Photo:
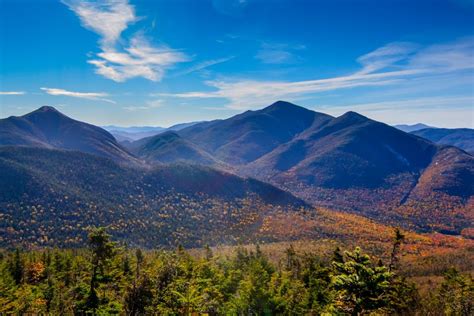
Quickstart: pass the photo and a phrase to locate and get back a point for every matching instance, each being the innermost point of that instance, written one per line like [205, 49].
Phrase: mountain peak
[282, 104]
[47, 108]
[285, 110]
[247, 136]
[45, 112]
[47, 127]
[352, 117]
[353, 114]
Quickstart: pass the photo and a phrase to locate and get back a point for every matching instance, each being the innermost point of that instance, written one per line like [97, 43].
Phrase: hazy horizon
[60, 109]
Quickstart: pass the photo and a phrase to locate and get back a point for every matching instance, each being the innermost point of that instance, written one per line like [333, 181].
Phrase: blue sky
[130, 62]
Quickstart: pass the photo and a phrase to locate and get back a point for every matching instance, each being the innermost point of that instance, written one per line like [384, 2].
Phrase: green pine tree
[362, 287]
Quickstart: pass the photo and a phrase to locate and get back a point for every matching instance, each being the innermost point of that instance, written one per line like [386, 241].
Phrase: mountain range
[60, 175]
[349, 163]
[367, 167]
[130, 134]
[459, 137]
[412, 127]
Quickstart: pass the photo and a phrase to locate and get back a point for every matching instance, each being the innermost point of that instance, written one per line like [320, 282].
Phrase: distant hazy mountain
[459, 137]
[130, 137]
[134, 133]
[180, 126]
[133, 129]
[54, 195]
[410, 128]
[247, 136]
[48, 128]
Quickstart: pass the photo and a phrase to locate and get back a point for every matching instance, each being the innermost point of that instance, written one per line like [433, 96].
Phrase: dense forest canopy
[108, 279]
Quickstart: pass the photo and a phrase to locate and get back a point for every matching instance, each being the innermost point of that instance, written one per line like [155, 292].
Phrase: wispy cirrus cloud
[12, 92]
[388, 55]
[230, 7]
[122, 59]
[388, 65]
[411, 103]
[270, 53]
[247, 94]
[152, 104]
[98, 96]
[203, 65]
[414, 110]
[446, 57]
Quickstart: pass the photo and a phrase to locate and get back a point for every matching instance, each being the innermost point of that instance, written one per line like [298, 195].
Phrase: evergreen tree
[209, 253]
[397, 242]
[456, 294]
[140, 258]
[337, 256]
[317, 279]
[289, 295]
[361, 286]
[102, 250]
[138, 297]
[17, 267]
[292, 263]
[252, 296]
[126, 265]
[403, 297]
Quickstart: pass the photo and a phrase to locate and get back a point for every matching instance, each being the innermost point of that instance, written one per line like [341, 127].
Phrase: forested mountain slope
[49, 197]
[367, 167]
[169, 147]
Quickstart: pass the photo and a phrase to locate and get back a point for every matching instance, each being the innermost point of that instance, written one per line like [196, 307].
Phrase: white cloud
[391, 64]
[12, 92]
[413, 103]
[99, 96]
[204, 65]
[446, 57]
[429, 110]
[388, 55]
[152, 104]
[247, 94]
[140, 59]
[155, 104]
[271, 53]
[108, 18]
[274, 56]
[122, 59]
